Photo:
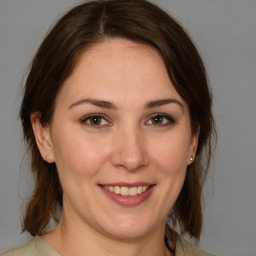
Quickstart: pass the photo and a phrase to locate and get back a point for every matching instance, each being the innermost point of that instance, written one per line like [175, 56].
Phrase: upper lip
[129, 185]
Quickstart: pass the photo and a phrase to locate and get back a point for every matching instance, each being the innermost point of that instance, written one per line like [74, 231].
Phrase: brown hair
[90, 23]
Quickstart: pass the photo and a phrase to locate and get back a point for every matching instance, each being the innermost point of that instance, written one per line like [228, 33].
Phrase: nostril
[129, 151]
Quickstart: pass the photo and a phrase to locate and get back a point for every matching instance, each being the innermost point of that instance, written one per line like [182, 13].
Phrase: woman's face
[119, 126]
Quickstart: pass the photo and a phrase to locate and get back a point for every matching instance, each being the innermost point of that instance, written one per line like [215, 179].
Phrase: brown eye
[95, 120]
[157, 120]
[160, 120]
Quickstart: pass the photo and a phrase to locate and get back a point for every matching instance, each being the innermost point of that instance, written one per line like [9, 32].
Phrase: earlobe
[43, 138]
[193, 146]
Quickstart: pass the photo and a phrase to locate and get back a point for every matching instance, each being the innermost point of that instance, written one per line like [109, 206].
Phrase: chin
[130, 229]
[128, 234]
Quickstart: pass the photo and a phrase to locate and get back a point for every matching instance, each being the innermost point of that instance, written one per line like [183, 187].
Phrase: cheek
[170, 161]
[76, 154]
[171, 153]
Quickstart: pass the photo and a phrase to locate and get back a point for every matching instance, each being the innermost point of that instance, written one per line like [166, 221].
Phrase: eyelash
[85, 119]
[168, 120]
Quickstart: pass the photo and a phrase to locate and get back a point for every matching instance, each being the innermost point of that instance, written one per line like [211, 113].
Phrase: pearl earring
[191, 158]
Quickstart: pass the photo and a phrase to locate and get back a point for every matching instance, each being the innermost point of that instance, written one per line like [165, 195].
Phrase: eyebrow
[109, 105]
[158, 103]
[95, 102]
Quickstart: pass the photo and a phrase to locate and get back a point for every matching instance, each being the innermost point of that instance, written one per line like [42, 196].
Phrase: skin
[128, 144]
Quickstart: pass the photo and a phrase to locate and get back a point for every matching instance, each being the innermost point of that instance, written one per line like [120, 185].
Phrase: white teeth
[125, 191]
[140, 190]
[117, 190]
[144, 188]
[133, 191]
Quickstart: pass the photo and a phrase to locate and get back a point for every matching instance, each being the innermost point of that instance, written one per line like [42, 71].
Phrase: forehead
[119, 68]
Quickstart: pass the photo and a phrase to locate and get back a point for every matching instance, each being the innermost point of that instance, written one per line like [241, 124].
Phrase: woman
[117, 116]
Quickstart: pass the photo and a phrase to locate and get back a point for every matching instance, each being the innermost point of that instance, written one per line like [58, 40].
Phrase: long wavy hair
[83, 26]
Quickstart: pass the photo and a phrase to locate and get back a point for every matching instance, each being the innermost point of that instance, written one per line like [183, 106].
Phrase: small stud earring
[191, 158]
[47, 158]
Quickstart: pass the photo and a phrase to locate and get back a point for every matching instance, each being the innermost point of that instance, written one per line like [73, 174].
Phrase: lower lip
[129, 201]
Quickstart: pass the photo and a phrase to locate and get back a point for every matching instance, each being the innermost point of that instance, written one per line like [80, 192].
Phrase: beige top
[38, 247]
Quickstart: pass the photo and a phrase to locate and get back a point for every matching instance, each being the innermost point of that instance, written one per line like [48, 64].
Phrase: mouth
[128, 195]
[127, 191]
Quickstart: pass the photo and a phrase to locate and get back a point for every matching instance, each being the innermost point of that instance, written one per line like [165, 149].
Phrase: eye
[160, 120]
[95, 120]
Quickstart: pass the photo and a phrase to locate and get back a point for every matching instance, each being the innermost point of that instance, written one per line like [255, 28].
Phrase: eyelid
[87, 117]
[84, 119]
[170, 119]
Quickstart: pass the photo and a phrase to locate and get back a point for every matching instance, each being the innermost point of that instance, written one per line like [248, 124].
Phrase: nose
[129, 151]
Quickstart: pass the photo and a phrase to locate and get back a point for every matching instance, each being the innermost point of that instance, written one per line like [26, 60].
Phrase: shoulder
[28, 249]
[35, 246]
[181, 246]
[185, 248]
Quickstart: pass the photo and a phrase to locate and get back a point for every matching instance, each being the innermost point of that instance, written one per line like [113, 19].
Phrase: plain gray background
[225, 33]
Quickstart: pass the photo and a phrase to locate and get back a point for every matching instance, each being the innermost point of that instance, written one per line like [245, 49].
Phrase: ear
[43, 138]
[193, 146]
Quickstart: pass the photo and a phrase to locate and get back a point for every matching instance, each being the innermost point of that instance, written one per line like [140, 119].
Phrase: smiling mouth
[127, 191]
